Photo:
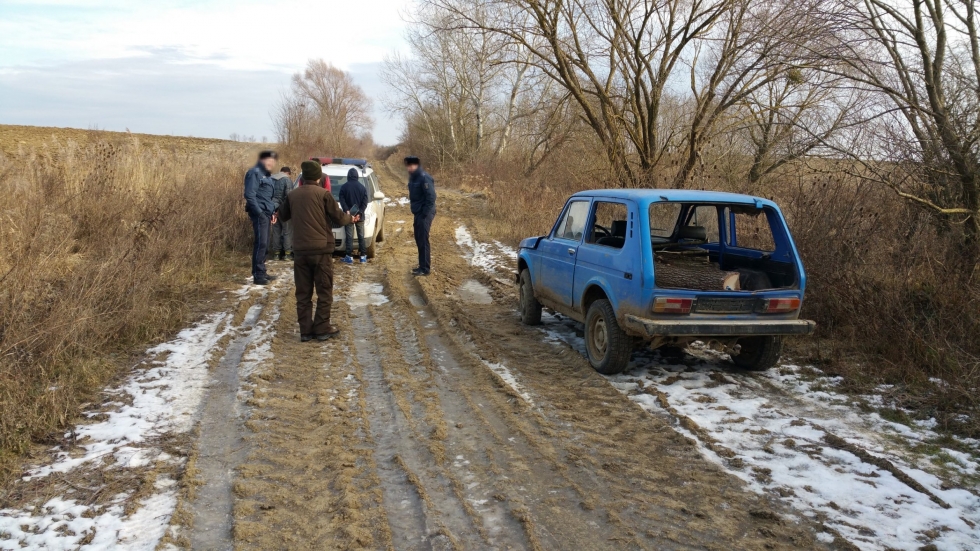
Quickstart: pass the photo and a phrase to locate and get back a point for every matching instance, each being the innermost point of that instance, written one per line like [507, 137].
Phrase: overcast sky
[205, 68]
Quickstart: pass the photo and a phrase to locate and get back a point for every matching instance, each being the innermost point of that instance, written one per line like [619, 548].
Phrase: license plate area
[723, 305]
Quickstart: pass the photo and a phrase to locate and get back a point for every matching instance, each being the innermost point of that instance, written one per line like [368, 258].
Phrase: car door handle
[571, 251]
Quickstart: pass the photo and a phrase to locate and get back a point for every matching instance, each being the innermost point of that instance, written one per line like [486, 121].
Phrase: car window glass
[572, 225]
[336, 182]
[703, 216]
[609, 228]
[663, 219]
[752, 231]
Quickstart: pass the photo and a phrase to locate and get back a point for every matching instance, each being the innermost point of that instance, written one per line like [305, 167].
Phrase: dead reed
[103, 248]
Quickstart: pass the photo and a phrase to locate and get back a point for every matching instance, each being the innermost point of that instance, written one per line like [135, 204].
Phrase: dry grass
[106, 243]
[896, 298]
[19, 140]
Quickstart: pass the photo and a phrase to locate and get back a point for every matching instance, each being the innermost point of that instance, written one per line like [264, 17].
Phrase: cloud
[163, 92]
[207, 68]
[233, 34]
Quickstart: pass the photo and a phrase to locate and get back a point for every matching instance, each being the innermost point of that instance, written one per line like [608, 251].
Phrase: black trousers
[422, 226]
[260, 247]
[313, 272]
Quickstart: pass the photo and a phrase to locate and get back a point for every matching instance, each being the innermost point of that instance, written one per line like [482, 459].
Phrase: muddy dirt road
[420, 429]
[434, 421]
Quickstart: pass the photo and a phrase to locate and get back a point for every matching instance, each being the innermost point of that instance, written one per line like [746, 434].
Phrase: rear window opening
[707, 247]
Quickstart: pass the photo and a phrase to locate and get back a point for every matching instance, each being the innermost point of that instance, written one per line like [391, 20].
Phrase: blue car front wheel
[529, 306]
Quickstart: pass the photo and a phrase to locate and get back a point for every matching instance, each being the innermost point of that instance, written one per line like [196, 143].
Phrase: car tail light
[668, 305]
[781, 305]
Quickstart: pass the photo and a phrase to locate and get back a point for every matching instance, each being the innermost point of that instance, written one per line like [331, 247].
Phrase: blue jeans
[260, 246]
[349, 238]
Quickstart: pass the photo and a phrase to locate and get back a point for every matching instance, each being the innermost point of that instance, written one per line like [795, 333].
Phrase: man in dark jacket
[313, 211]
[354, 200]
[260, 206]
[422, 195]
[282, 232]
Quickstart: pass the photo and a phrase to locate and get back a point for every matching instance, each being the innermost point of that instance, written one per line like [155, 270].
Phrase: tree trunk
[695, 275]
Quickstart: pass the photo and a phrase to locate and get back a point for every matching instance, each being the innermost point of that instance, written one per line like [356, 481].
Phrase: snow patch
[397, 202]
[508, 377]
[367, 294]
[776, 423]
[490, 257]
[162, 396]
[260, 348]
[60, 524]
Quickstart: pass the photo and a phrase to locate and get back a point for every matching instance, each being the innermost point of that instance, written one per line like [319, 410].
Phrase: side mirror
[379, 196]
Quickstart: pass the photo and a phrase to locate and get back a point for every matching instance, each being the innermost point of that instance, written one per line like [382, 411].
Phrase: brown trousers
[313, 272]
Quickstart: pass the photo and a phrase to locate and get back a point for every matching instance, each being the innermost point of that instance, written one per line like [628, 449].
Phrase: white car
[336, 170]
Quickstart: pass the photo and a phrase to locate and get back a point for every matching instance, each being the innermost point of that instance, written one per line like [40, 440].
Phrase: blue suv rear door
[557, 253]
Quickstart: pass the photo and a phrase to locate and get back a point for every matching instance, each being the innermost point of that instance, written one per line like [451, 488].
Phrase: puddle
[367, 294]
[474, 292]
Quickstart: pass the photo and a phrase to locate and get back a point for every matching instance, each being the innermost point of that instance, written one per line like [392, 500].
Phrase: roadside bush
[103, 248]
[896, 296]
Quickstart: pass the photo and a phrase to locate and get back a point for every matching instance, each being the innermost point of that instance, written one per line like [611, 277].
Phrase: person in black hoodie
[354, 201]
[422, 196]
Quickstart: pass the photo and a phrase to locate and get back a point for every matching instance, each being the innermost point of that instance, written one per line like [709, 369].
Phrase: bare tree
[788, 119]
[622, 61]
[471, 94]
[922, 58]
[324, 110]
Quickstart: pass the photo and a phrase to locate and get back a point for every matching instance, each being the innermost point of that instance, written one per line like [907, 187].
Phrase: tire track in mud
[413, 523]
[464, 440]
[309, 480]
[433, 442]
[220, 446]
[510, 445]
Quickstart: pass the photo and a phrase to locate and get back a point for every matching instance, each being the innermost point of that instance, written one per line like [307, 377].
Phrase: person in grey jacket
[261, 208]
[281, 247]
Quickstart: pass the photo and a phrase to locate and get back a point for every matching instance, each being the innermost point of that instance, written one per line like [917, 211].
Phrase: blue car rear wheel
[758, 353]
[609, 347]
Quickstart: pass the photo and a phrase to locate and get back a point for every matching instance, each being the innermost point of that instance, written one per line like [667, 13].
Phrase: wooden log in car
[696, 276]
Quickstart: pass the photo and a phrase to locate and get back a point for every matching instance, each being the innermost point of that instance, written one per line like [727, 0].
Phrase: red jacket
[326, 182]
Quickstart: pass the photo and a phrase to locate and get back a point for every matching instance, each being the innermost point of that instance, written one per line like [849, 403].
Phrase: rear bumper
[670, 328]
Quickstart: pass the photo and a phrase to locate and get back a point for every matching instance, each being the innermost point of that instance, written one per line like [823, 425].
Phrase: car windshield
[337, 181]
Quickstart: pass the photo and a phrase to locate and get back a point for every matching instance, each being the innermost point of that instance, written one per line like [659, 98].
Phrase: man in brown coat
[313, 211]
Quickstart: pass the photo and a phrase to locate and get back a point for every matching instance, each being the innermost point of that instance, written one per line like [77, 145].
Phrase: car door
[555, 277]
[608, 256]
